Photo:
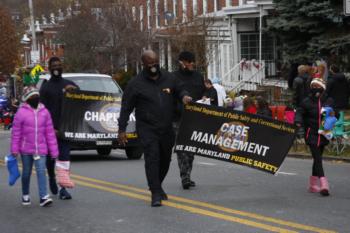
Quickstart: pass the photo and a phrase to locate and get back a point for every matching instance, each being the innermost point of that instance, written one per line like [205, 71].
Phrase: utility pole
[34, 54]
[32, 25]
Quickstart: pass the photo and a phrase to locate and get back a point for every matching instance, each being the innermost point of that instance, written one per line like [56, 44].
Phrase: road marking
[189, 208]
[211, 206]
[84, 181]
[209, 164]
[287, 173]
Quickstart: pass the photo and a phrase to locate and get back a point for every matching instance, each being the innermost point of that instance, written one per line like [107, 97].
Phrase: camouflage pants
[185, 162]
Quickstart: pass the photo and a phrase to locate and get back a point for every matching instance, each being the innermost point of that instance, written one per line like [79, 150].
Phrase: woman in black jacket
[309, 113]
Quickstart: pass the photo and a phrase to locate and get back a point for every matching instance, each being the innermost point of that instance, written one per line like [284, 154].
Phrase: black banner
[92, 116]
[233, 136]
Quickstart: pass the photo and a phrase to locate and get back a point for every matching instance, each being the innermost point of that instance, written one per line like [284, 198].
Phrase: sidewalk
[325, 157]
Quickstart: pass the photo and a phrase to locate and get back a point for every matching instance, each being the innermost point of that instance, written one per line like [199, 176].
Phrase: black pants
[64, 155]
[317, 167]
[157, 160]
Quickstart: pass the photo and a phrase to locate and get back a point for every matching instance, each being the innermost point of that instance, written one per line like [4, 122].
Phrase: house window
[157, 13]
[250, 47]
[184, 11]
[165, 11]
[133, 10]
[195, 7]
[149, 14]
[175, 8]
[141, 18]
[205, 7]
[228, 3]
[215, 5]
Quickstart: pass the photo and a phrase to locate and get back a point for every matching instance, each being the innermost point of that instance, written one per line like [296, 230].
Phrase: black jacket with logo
[153, 101]
[51, 95]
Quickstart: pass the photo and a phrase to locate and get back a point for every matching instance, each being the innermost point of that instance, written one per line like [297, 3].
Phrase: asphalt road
[111, 196]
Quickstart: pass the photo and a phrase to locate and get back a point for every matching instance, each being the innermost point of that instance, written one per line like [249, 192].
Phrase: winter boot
[314, 185]
[62, 174]
[324, 186]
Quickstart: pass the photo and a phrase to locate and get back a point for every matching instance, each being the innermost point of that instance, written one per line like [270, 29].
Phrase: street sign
[347, 7]
[34, 56]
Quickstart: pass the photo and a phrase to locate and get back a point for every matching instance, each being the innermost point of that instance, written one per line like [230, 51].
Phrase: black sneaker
[186, 184]
[53, 186]
[45, 201]
[163, 195]
[192, 183]
[26, 200]
[64, 194]
[156, 200]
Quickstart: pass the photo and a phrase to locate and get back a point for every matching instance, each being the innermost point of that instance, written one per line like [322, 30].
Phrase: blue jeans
[40, 168]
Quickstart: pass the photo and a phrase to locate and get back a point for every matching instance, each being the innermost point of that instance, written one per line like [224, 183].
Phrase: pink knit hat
[319, 82]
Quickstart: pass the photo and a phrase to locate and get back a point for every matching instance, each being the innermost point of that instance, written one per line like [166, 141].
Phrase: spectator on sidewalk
[220, 91]
[338, 88]
[210, 92]
[301, 85]
[263, 107]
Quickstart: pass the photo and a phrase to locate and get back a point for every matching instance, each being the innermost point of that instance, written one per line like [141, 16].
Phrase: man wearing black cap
[194, 84]
[151, 93]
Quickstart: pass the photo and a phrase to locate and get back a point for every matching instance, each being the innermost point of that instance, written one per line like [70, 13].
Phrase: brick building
[232, 37]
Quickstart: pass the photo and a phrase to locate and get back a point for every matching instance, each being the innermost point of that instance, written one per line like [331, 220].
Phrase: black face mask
[187, 71]
[56, 73]
[153, 70]
[316, 92]
[33, 102]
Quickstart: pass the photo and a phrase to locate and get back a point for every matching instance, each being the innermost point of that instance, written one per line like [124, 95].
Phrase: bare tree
[9, 43]
[82, 36]
[192, 36]
[126, 40]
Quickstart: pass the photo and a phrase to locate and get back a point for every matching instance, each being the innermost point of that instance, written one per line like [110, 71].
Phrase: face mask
[153, 70]
[187, 71]
[56, 72]
[33, 102]
[317, 92]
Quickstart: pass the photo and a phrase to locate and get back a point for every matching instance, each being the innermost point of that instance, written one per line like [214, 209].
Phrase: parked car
[100, 83]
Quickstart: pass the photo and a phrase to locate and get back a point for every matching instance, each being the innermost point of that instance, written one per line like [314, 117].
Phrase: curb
[327, 157]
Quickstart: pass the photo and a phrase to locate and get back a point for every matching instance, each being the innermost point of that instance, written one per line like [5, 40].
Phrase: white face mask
[56, 72]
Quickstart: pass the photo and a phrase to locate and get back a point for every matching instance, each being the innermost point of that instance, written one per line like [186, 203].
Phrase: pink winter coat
[33, 132]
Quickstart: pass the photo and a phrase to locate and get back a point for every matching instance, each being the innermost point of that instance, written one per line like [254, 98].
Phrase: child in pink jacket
[33, 137]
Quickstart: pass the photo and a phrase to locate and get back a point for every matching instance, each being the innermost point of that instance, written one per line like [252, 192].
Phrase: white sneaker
[26, 200]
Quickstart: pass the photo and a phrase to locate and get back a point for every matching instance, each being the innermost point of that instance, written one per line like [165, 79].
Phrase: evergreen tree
[310, 29]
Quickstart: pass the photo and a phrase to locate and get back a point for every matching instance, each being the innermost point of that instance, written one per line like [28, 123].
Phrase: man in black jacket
[151, 94]
[51, 95]
[338, 88]
[194, 84]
